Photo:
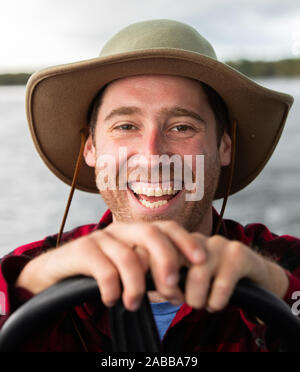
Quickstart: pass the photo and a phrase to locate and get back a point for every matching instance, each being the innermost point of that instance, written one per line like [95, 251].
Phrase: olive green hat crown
[163, 33]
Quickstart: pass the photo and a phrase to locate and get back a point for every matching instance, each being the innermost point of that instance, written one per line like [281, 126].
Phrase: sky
[39, 33]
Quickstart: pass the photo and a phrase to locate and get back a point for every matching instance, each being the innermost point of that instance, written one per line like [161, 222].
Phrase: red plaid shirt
[191, 330]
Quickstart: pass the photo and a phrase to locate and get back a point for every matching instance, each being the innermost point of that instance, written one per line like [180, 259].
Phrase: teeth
[153, 191]
[158, 192]
[150, 192]
[155, 204]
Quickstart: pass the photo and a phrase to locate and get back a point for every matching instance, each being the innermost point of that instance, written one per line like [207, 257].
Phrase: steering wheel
[136, 331]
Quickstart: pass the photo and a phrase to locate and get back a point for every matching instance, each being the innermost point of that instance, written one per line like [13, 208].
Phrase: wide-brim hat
[58, 98]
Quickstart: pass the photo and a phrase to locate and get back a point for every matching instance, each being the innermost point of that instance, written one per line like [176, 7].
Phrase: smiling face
[158, 115]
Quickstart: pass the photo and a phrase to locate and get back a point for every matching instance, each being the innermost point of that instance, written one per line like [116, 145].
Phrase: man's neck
[206, 225]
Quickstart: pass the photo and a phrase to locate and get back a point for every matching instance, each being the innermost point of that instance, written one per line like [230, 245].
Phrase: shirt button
[260, 343]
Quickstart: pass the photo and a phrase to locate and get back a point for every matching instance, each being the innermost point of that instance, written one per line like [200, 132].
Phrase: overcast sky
[39, 33]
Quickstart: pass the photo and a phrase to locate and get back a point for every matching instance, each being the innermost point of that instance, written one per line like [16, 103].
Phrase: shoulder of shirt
[255, 233]
[35, 248]
[285, 249]
[50, 241]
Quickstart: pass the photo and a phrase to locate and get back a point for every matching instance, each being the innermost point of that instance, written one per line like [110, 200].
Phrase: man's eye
[182, 128]
[126, 127]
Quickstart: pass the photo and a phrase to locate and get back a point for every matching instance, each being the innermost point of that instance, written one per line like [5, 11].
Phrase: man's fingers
[197, 286]
[211, 284]
[231, 267]
[164, 257]
[189, 244]
[200, 276]
[95, 263]
[222, 289]
[143, 256]
[127, 264]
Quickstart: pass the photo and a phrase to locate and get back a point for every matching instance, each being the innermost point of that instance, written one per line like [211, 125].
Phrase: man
[156, 89]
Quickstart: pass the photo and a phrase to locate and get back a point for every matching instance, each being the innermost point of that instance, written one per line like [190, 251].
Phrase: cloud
[40, 33]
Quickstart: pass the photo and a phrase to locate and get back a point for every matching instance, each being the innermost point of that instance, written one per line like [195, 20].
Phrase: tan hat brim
[58, 99]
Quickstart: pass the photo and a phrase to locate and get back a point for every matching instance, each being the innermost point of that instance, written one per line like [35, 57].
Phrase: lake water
[32, 200]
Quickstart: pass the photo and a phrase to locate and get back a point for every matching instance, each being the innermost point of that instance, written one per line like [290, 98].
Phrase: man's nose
[153, 143]
[155, 151]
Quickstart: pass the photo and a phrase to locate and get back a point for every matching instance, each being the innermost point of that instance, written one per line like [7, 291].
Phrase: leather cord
[83, 138]
[231, 173]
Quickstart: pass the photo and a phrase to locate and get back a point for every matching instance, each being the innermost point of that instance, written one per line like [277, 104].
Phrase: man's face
[157, 115]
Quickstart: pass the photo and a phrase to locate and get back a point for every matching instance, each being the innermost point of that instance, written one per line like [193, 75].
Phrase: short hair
[94, 110]
[215, 101]
[220, 111]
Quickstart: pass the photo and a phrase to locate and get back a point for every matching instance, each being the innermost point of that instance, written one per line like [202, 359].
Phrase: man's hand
[212, 283]
[123, 253]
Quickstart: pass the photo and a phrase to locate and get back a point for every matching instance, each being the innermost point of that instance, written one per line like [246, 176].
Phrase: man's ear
[89, 152]
[225, 150]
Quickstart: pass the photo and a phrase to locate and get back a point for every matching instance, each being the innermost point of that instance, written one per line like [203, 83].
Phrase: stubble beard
[191, 216]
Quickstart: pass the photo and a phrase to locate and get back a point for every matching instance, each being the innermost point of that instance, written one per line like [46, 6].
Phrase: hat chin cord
[230, 178]
[83, 137]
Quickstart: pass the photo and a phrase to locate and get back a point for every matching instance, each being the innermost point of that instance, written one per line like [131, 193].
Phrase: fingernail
[210, 310]
[172, 280]
[135, 305]
[111, 303]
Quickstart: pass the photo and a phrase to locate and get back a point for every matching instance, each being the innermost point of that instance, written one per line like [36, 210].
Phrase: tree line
[281, 68]
[252, 69]
[14, 79]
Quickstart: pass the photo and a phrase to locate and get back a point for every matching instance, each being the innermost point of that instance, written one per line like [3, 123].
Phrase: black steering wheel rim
[253, 299]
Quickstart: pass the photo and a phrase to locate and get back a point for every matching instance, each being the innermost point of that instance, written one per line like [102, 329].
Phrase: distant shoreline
[14, 79]
[252, 69]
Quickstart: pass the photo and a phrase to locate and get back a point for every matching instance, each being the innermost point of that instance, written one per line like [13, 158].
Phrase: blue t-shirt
[163, 313]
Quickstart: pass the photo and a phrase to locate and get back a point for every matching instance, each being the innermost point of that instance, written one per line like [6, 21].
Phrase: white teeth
[158, 192]
[153, 205]
[153, 191]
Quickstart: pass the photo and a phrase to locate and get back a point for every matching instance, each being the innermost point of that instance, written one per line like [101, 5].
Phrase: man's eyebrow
[123, 110]
[175, 111]
[178, 111]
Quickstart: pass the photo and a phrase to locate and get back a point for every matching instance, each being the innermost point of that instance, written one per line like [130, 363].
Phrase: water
[32, 199]
[274, 197]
